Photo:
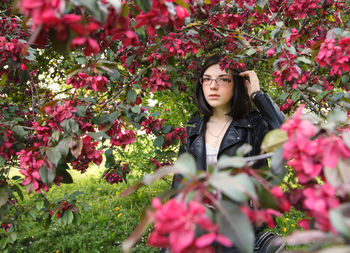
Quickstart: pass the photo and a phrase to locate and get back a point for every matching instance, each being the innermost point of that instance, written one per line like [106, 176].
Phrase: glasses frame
[217, 81]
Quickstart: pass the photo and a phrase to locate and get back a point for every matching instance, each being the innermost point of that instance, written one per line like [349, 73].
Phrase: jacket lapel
[232, 136]
[197, 146]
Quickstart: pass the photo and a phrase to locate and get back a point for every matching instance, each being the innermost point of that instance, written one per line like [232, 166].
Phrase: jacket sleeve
[269, 117]
[178, 177]
[270, 112]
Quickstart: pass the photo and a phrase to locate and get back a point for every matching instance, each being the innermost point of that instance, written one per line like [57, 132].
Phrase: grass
[105, 220]
[103, 226]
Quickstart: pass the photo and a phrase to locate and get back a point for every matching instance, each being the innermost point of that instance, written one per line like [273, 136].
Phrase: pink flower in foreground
[175, 225]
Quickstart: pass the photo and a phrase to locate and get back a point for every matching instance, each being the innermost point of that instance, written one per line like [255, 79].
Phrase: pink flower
[270, 52]
[175, 227]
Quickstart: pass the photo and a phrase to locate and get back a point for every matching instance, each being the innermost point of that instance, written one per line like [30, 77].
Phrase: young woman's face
[218, 92]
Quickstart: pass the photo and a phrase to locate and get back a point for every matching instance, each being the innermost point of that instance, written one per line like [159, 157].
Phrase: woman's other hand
[251, 80]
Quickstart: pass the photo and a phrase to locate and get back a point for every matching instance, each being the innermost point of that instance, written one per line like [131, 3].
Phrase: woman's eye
[206, 79]
[226, 80]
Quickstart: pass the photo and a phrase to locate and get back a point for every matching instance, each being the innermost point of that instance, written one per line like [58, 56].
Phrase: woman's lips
[213, 96]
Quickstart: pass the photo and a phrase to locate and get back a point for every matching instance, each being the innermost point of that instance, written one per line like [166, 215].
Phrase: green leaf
[54, 155]
[74, 195]
[129, 60]
[136, 109]
[166, 129]
[98, 135]
[239, 188]
[231, 162]
[145, 5]
[186, 164]
[4, 196]
[244, 149]
[273, 139]
[81, 110]
[70, 125]
[337, 116]
[304, 59]
[132, 95]
[182, 3]
[2, 161]
[47, 175]
[340, 219]
[18, 190]
[116, 4]
[345, 79]
[261, 3]
[70, 216]
[3, 79]
[346, 138]
[274, 32]
[61, 171]
[322, 95]
[63, 147]
[278, 163]
[18, 130]
[110, 161]
[159, 141]
[250, 51]
[236, 226]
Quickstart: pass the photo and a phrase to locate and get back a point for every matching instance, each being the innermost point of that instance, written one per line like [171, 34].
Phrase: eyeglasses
[221, 81]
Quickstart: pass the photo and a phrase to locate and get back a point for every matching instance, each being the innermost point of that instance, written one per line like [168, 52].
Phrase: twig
[341, 103]
[314, 108]
[32, 91]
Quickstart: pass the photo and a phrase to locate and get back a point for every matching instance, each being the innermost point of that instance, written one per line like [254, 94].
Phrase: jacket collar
[196, 129]
[197, 125]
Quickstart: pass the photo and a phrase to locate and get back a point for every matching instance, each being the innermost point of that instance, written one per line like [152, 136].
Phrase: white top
[212, 155]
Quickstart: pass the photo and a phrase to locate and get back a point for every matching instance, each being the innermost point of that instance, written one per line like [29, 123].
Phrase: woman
[224, 98]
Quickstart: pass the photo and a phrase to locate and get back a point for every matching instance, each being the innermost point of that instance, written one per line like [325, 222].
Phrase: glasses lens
[224, 81]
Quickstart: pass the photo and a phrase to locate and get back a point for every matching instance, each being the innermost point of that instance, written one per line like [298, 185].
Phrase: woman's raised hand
[251, 81]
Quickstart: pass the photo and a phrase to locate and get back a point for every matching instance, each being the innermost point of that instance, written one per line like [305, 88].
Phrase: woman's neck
[220, 115]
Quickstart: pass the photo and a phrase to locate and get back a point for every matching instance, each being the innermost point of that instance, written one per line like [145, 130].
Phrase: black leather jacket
[250, 129]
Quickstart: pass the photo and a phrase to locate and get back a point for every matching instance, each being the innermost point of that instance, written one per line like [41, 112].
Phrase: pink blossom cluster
[159, 15]
[6, 226]
[178, 46]
[11, 27]
[302, 8]
[158, 81]
[292, 37]
[62, 207]
[178, 134]
[289, 72]
[30, 164]
[317, 201]
[12, 50]
[259, 217]
[159, 164]
[87, 155]
[152, 125]
[60, 113]
[226, 19]
[289, 104]
[96, 83]
[117, 174]
[118, 137]
[308, 154]
[335, 54]
[176, 224]
[6, 143]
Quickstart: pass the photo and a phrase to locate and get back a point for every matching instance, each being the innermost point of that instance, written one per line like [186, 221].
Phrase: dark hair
[240, 103]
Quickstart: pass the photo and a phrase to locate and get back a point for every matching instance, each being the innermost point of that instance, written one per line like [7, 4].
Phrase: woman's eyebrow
[219, 75]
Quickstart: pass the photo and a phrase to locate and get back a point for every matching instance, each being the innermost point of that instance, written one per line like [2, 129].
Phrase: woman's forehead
[216, 70]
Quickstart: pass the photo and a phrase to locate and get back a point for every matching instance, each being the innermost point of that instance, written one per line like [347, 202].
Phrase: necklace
[217, 136]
